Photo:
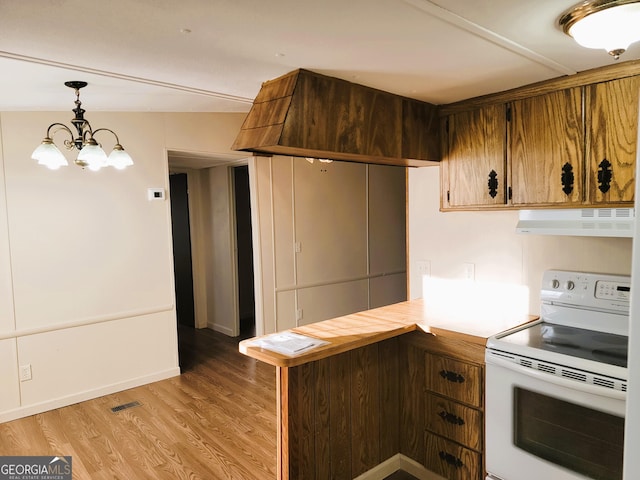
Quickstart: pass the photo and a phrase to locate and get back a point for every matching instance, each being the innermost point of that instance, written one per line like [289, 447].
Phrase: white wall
[488, 240]
[347, 219]
[86, 274]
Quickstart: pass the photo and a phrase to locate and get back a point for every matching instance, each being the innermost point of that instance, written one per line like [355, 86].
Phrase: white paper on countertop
[288, 343]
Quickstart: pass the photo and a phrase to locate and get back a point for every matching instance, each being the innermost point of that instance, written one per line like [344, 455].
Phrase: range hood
[306, 114]
[584, 222]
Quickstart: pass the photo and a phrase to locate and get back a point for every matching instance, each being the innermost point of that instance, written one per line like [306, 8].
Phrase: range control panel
[613, 290]
[586, 290]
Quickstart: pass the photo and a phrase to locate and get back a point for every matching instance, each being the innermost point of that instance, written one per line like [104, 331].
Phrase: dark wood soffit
[306, 114]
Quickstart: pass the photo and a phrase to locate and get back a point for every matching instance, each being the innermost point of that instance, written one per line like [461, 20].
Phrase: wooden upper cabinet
[612, 129]
[546, 142]
[474, 165]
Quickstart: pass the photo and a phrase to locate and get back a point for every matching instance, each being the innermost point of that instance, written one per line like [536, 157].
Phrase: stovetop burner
[576, 342]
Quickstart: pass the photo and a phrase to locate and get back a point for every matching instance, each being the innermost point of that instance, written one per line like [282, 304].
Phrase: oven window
[585, 441]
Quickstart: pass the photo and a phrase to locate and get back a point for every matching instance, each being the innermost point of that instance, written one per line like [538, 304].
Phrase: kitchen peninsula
[391, 380]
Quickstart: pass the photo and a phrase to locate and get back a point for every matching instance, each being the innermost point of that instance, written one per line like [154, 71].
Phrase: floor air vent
[119, 408]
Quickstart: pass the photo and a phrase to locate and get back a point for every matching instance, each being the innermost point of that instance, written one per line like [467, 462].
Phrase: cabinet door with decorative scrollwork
[546, 141]
[612, 119]
[474, 164]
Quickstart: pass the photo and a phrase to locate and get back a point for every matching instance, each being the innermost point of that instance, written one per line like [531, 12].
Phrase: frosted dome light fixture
[611, 25]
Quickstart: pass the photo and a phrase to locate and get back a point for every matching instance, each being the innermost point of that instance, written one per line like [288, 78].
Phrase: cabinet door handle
[451, 376]
[567, 178]
[451, 459]
[451, 418]
[605, 175]
[493, 184]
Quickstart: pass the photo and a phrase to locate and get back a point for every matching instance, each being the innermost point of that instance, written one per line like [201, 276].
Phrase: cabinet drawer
[454, 421]
[457, 380]
[451, 460]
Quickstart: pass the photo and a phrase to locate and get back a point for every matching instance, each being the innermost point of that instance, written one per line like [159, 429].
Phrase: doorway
[182, 261]
[244, 252]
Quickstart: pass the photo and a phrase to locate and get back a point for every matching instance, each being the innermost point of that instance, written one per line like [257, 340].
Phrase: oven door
[541, 426]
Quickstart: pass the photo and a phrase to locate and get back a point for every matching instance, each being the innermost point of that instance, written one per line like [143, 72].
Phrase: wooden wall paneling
[322, 423]
[389, 398]
[301, 422]
[282, 414]
[412, 374]
[365, 417]
[340, 413]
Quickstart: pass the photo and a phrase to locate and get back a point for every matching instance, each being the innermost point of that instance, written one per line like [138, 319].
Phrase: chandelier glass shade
[612, 25]
[90, 153]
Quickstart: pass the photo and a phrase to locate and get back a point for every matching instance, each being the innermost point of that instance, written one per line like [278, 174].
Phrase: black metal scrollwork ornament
[493, 184]
[450, 459]
[605, 175]
[452, 377]
[451, 418]
[567, 178]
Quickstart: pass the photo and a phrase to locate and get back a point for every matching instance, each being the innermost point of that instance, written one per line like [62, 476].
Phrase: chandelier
[90, 153]
[609, 24]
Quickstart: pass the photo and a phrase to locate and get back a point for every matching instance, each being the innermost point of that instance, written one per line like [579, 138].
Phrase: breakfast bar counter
[371, 326]
[358, 405]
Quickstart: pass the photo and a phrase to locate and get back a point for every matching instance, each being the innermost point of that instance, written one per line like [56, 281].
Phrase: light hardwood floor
[215, 421]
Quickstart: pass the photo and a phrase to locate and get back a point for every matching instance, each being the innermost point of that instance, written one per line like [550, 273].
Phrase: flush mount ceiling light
[90, 153]
[609, 24]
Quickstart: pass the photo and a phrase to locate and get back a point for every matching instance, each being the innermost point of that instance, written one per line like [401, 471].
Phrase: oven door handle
[557, 380]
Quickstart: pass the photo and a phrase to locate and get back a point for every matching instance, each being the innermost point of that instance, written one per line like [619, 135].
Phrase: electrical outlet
[297, 247]
[299, 314]
[424, 268]
[469, 271]
[25, 372]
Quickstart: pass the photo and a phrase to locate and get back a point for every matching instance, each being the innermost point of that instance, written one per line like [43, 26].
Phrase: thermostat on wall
[155, 193]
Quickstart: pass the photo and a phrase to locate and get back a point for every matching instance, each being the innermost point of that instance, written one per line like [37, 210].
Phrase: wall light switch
[155, 194]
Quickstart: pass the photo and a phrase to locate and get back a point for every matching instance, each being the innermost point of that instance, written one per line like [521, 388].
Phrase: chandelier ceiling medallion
[609, 24]
[90, 153]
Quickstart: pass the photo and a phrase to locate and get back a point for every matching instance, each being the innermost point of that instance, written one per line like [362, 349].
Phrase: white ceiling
[136, 55]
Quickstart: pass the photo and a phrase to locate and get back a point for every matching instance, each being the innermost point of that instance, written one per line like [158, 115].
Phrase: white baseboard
[395, 463]
[417, 470]
[382, 470]
[28, 410]
[222, 329]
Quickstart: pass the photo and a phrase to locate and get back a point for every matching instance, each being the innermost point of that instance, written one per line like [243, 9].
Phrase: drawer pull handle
[451, 418]
[451, 376]
[451, 459]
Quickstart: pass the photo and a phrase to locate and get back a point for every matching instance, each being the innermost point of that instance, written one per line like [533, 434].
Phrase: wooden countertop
[371, 326]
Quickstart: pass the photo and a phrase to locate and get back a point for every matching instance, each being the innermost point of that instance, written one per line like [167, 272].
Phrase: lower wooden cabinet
[451, 460]
[454, 421]
[444, 427]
